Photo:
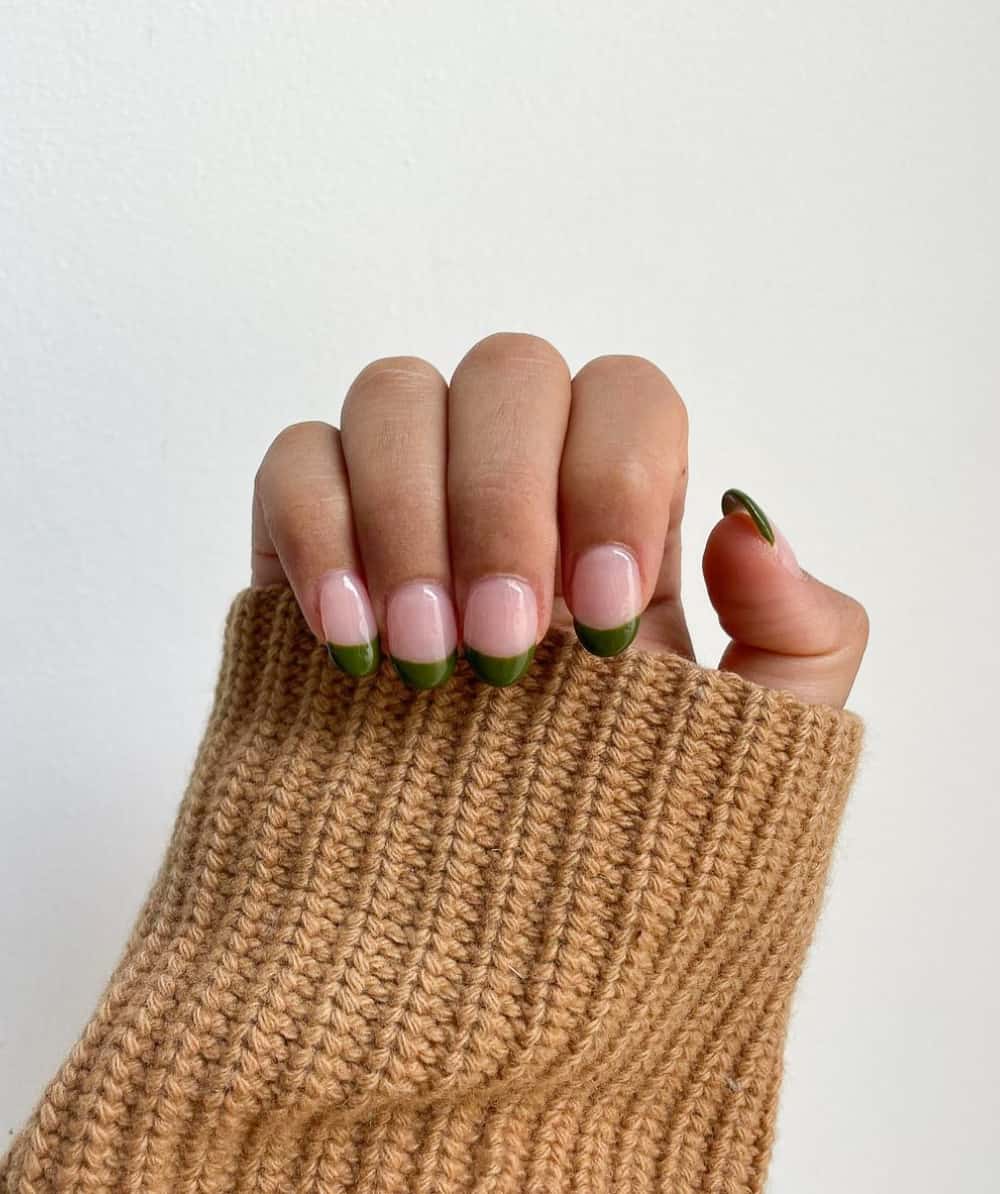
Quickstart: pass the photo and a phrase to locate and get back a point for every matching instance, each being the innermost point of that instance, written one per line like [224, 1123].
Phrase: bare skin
[516, 469]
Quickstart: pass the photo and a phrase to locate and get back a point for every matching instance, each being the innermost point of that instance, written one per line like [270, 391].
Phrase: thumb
[788, 629]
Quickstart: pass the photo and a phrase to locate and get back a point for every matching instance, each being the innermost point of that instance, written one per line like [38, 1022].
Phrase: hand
[483, 512]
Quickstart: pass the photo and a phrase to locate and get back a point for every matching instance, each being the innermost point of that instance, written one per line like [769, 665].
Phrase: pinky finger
[303, 533]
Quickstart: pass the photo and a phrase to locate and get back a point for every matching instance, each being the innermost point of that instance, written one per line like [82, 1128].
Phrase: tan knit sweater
[524, 941]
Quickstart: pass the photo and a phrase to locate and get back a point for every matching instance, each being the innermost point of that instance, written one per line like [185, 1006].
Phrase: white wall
[212, 215]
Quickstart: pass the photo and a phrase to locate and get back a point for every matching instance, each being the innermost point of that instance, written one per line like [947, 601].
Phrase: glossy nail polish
[736, 499]
[349, 626]
[421, 631]
[606, 597]
[500, 628]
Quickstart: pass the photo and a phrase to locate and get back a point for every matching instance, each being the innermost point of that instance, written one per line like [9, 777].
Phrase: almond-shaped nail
[736, 499]
[349, 625]
[422, 635]
[606, 598]
[500, 628]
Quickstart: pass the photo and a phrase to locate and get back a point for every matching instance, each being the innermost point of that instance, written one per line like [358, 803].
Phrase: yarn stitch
[529, 940]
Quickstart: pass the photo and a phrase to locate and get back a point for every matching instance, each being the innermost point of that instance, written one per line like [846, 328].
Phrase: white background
[212, 215]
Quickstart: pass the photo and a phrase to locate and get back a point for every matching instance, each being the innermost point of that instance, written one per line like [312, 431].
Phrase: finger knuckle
[623, 366]
[512, 495]
[505, 350]
[630, 483]
[402, 500]
[290, 442]
[398, 378]
[301, 521]
[297, 434]
[625, 373]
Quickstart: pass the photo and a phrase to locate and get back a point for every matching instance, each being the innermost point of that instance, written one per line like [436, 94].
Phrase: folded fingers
[440, 516]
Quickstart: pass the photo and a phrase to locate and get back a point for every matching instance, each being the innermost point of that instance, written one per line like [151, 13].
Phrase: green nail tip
[499, 670]
[736, 499]
[607, 642]
[425, 675]
[362, 659]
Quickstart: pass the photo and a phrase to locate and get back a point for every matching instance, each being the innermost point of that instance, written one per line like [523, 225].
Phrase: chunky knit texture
[525, 941]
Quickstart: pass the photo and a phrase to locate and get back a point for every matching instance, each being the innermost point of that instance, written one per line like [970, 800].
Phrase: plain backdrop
[212, 215]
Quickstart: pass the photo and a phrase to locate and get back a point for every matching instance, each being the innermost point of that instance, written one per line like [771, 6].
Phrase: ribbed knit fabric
[524, 940]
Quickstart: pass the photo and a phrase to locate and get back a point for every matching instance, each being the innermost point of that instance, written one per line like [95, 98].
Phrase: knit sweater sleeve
[524, 940]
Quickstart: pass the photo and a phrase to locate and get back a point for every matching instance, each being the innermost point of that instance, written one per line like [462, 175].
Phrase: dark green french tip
[736, 499]
[607, 642]
[425, 675]
[499, 670]
[360, 660]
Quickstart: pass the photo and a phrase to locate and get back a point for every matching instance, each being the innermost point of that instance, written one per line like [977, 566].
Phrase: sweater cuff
[540, 938]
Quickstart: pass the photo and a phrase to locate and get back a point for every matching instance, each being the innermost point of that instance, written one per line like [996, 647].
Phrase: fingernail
[499, 629]
[606, 598]
[736, 499]
[349, 625]
[422, 636]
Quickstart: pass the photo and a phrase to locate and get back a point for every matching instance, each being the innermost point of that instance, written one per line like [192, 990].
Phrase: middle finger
[508, 408]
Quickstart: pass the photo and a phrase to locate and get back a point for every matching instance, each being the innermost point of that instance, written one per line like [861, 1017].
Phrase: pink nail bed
[501, 617]
[421, 622]
[345, 609]
[606, 591]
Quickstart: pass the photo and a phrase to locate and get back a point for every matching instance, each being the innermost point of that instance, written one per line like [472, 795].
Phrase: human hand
[479, 514]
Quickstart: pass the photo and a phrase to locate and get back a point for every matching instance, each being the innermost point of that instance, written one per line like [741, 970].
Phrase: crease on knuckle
[290, 443]
[501, 350]
[394, 380]
[500, 491]
[308, 517]
[294, 436]
[630, 483]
